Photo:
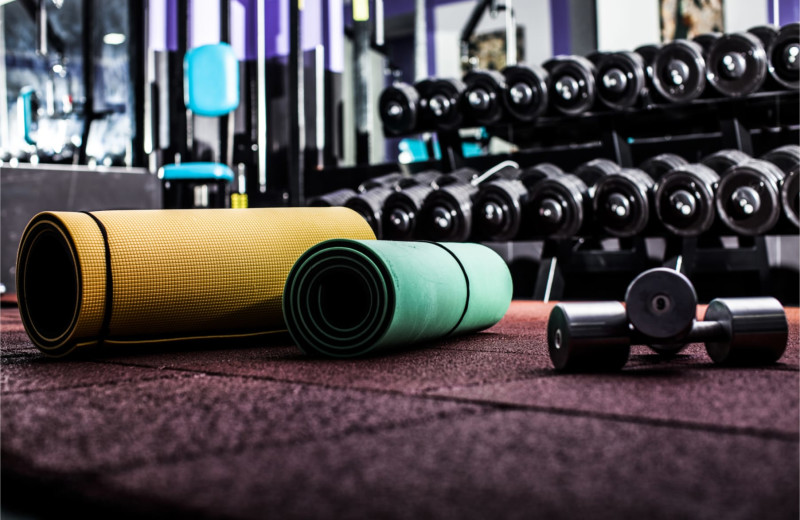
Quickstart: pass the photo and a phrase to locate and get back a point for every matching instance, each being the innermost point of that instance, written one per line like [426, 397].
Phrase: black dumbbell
[621, 79]
[389, 180]
[572, 86]
[592, 171]
[790, 197]
[684, 199]
[661, 306]
[446, 213]
[737, 64]
[723, 160]
[482, 101]
[368, 202]
[505, 207]
[648, 53]
[748, 197]
[333, 198]
[786, 157]
[658, 165]
[557, 205]
[706, 41]
[498, 208]
[679, 71]
[369, 205]
[598, 336]
[784, 56]
[766, 33]
[440, 103]
[398, 107]
[401, 208]
[585, 337]
[595, 57]
[526, 94]
[622, 202]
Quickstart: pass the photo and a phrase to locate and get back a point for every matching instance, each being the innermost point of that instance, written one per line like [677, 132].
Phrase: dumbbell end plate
[756, 330]
[661, 304]
[588, 337]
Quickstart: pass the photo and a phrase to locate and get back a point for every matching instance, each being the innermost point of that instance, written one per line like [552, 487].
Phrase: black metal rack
[753, 124]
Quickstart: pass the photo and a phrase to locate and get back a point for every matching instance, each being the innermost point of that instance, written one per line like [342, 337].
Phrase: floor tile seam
[540, 373]
[711, 366]
[764, 433]
[104, 384]
[419, 394]
[13, 355]
[495, 405]
[631, 364]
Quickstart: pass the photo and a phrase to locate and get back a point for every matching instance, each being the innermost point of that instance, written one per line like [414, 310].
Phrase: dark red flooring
[472, 427]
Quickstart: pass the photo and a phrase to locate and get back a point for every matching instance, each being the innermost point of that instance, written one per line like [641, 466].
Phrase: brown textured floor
[471, 427]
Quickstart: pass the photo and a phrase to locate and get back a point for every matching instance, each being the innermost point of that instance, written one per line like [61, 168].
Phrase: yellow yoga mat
[121, 277]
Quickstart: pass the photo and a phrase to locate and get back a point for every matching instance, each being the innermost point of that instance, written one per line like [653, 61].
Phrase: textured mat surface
[347, 298]
[478, 426]
[153, 275]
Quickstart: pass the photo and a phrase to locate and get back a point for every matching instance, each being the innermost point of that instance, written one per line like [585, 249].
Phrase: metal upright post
[88, 75]
[261, 134]
[361, 79]
[41, 28]
[5, 139]
[178, 128]
[137, 18]
[296, 109]
[226, 128]
[511, 34]
[420, 41]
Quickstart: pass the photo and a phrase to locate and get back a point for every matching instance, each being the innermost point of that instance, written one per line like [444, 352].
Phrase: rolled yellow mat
[123, 277]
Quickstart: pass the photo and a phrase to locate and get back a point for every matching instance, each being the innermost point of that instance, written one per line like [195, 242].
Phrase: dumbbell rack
[752, 124]
[691, 255]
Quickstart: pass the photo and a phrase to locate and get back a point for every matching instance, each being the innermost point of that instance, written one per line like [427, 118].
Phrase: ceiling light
[114, 39]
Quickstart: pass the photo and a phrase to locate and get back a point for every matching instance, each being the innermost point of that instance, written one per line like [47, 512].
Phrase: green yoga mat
[345, 298]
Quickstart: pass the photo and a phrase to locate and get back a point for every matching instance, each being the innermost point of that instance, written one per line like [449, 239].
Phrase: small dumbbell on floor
[598, 336]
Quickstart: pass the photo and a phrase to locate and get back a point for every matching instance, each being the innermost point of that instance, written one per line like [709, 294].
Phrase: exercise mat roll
[160, 275]
[345, 298]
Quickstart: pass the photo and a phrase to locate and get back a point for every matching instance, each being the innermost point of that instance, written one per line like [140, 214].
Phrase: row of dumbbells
[727, 191]
[713, 64]
[660, 310]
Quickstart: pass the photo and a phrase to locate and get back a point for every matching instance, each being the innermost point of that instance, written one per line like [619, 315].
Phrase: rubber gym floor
[478, 426]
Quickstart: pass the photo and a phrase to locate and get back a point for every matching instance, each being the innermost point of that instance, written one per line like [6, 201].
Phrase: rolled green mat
[345, 298]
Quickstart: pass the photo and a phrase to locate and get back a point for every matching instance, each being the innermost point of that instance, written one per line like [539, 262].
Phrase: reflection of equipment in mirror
[493, 50]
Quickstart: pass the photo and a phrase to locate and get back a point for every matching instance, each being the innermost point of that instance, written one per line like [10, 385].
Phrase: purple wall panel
[789, 11]
[172, 25]
[560, 23]
[240, 32]
[276, 22]
[430, 26]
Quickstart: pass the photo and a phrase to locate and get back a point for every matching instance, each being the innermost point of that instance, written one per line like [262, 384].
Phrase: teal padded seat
[211, 89]
[211, 80]
[196, 171]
